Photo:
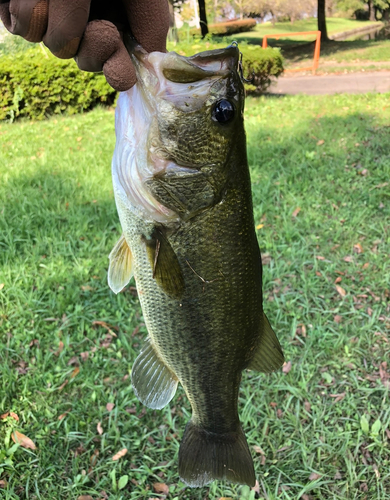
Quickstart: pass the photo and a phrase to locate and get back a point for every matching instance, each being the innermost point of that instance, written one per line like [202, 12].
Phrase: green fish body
[183, 193]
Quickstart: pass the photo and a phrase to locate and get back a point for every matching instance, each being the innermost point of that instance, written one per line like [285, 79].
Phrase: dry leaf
[348, 258]
[307, 406]
[9, 414]
[258, 449]
[265, 258]
[94, 457]
[120, 454]
[84, 497]
[84, 355]
[60, 348]
[3, 483]
[320, 142]
[109, 406]
[24, 441]
[63, 415]
[63, 385]
[341, 290]
[99, 428]
[337, 318]
[338, 397]
[259, 226]
[1, 286]
[364, 266]
[358, 248]
[296, 212]
[338, 279]
[161, 488]
[106, 326]
[319, 257]
[313, 476]
[286, 367]
[75, 372]
[256, 487]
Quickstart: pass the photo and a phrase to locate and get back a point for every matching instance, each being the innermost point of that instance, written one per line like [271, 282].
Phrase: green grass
[333, 24]
[298, 52]
[329, 156]
[342, 55]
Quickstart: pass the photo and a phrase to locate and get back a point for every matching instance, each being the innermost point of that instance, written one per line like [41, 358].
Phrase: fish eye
[223, 111]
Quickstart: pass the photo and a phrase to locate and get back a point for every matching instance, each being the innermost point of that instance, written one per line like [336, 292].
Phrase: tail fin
[205, 456]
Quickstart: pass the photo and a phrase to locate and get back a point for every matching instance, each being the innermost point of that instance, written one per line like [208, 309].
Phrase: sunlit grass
[328, 156]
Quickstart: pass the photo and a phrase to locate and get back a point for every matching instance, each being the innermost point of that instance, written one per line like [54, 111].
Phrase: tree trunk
[172, 35]
[371, 12]
[203, 18]
[321, 18]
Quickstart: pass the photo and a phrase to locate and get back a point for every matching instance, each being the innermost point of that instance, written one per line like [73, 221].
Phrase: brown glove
[91, 31]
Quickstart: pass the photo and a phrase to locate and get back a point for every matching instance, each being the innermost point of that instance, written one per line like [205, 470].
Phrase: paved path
[350, 83]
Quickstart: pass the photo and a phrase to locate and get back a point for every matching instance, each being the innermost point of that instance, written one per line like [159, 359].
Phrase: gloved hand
[91, 31]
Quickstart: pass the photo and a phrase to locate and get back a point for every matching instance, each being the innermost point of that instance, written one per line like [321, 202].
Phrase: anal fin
[268, 355]
[154, 383]
[120, 269]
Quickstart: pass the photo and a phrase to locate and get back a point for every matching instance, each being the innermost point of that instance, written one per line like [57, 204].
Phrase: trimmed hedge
[228, 27]
[257, 63]
[35, 84]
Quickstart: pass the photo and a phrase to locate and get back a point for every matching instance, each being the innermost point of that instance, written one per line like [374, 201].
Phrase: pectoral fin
[165, 265]
[154, 383]
[268, 355]
[120, 270]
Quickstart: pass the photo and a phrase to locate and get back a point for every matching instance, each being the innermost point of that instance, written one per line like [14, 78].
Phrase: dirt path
[350, 83]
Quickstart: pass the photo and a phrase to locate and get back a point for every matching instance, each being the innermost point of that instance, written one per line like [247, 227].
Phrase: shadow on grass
[296, 51]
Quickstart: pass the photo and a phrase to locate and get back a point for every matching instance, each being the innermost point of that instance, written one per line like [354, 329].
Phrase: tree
[203, 18]
[321, 19]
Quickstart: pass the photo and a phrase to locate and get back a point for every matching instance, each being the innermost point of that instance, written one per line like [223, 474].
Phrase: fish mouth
[183, 81]
[165, 82]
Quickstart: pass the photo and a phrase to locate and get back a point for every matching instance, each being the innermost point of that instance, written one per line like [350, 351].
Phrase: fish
[183, 194]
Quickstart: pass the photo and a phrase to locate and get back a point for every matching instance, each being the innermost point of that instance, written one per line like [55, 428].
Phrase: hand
[91, 31]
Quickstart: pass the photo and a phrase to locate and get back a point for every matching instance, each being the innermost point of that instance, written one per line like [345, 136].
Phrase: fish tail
[205, 456]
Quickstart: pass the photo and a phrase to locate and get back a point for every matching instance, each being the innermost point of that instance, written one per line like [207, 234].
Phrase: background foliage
[35, 84]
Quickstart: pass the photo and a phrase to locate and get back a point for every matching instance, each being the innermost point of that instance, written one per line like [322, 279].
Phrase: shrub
[35, 84]
[257, 63]
[228, 27]
[261, 64]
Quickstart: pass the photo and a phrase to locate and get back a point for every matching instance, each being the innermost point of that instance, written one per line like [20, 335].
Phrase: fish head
[184, 115]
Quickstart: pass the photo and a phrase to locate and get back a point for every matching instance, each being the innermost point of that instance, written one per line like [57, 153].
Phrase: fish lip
[205, 63]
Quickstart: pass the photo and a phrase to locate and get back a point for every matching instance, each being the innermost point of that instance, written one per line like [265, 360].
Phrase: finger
[101, 39]
[67, 22]
[119, 71]
[27, 18]
[149, 22]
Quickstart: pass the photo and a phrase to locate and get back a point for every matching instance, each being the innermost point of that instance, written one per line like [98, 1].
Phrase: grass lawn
[333, 24]
[298, 52]
[319, 430]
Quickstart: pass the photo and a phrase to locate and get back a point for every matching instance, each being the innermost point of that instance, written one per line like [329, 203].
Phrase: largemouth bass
[183, 194]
